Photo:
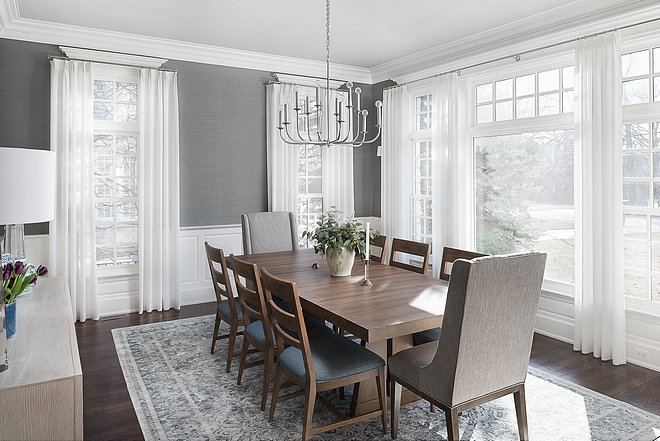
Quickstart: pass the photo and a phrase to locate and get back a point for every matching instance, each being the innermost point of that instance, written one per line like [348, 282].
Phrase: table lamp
[28, 193]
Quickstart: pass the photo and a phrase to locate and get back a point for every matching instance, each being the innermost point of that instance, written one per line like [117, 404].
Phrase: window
[640, 72]
[641, 174]
[543, 93]
[422, 205]
[115, 167]
[523, 166]
[310, 168]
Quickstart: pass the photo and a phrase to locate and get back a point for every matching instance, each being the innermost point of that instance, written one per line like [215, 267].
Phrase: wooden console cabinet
[41, 392]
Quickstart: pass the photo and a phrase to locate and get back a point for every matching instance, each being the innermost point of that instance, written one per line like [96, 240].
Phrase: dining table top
[398, 303]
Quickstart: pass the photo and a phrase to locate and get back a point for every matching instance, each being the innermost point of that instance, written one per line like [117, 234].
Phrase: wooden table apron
[398, 304]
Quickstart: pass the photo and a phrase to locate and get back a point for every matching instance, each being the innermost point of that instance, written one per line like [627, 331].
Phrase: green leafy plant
[334, 232]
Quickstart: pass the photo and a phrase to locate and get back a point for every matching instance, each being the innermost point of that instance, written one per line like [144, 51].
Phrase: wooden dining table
[383, 316]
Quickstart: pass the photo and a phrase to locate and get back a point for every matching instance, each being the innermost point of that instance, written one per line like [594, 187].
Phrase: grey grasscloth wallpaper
[222, 133]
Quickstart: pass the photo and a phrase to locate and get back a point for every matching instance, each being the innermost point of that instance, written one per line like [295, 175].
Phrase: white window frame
[115, 73]
[417, 136]
[639, 113]
[562, 121]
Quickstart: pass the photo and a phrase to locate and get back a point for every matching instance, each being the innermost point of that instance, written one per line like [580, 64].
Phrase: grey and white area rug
[180, 391]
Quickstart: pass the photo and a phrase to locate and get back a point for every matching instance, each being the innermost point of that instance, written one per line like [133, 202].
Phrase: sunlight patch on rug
[180, 391]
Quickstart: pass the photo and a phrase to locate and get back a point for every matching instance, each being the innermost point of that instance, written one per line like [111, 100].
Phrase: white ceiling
[364, 33]
[373, 39]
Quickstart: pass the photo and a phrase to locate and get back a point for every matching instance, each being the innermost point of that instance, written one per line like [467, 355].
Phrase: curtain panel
[444, 142]
[158, 190]
[397, 167]
[72, 245]
[599, 285]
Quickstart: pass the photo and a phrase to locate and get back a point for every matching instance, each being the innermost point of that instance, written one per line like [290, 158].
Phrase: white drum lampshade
[27, 178]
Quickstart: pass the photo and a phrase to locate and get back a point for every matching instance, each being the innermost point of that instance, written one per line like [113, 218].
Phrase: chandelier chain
[327, 30]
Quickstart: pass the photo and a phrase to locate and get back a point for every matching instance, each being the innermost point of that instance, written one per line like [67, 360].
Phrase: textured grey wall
[222, 142]
[25, 100]
[222, 133]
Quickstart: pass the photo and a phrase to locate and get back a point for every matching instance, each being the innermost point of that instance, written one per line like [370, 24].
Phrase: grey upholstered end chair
[486, 340]
[265, 232]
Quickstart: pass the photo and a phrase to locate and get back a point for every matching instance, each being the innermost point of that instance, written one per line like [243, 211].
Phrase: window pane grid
[422, 205]
[310, 189]
[544, 93]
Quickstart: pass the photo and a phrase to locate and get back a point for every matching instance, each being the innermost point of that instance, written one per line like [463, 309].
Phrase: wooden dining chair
[449, 255]
[228, 308]
[484, 348]
[402, 250]
[317, 365]
[380, 242]
[258, 332]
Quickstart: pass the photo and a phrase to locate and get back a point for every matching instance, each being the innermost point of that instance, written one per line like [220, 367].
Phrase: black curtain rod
[56, 57]
[517, 56]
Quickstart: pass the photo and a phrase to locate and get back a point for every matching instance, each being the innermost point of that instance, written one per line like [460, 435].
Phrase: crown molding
[12, 26]
[112, 57]
[530, 34]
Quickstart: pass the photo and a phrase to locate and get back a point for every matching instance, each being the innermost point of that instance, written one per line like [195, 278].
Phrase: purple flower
[42, 271]
[20, 268]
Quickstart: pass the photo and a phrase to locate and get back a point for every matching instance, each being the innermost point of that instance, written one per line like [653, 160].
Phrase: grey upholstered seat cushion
[316, 329]
[223, 309]
[408, 363]
[269, 231]
[334, 357]
[419, 338]
[255, 331]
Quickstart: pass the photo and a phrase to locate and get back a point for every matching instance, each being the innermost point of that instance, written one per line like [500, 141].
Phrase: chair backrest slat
[250, 293]
[379, 242]
[289, 326]
[449, 255]
[418, 249]
[220, 276]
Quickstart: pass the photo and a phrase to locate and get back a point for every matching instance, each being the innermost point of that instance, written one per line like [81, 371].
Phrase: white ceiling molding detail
[507, 40]
[500, 43]
[112, 57]
[14, 27]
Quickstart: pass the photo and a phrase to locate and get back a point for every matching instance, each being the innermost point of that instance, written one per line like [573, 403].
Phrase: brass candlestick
[366, 281]
[315, 265]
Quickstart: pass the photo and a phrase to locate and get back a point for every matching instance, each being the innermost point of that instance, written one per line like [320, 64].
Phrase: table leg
[365, 394]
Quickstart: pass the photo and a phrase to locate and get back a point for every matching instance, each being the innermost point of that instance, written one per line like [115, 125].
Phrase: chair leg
[310, 399]
[232, 341]
[395, 396]
[382, 397]
[241, 366]
[215, 332]
[276, 393]
[521, 413]
[451, 416]
[268, 365]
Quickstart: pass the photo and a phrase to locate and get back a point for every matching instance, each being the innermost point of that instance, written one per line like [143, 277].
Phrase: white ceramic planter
[340, 264]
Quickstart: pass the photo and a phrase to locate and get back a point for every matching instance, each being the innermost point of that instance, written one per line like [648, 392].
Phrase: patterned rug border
[153, 429]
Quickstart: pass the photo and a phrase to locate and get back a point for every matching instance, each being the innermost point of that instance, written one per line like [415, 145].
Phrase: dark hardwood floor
[108, 412]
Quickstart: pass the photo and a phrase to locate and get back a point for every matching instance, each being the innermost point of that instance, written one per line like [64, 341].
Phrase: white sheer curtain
[444, 143]
[397, 171]
[158, 190]
[599, 294]
[282, 161]
[72, 234]
[282, 158]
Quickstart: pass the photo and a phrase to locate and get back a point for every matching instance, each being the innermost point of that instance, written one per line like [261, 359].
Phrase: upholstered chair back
[488, 327]
[269, 231]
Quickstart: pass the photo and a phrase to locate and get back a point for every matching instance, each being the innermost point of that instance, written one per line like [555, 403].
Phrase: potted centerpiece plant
[340, 240]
